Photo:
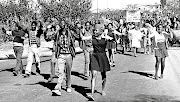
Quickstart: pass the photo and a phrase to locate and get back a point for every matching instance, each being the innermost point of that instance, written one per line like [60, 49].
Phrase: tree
[12, 10]
[172, 7]
[66, 9]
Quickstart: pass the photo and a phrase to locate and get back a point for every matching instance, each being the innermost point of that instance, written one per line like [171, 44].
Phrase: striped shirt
[32, 37]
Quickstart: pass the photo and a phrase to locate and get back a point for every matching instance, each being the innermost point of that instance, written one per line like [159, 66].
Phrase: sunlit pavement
[131, 80]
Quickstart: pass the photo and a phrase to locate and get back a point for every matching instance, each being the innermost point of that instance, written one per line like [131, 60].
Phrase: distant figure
[87, 48]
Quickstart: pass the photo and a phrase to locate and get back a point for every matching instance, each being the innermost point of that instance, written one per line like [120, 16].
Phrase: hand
[23, 38]
[109, 38]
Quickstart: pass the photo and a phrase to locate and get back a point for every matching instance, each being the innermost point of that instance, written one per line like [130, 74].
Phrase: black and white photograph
[89, 50]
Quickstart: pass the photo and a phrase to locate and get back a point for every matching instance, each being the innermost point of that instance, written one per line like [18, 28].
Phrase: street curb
[44, 52]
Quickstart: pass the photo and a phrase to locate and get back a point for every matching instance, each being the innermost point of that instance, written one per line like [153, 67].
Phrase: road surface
[131, 80]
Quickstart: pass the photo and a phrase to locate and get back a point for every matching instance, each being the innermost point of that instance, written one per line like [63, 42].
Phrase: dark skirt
[111, 44]
[161, 51]
[99, 62]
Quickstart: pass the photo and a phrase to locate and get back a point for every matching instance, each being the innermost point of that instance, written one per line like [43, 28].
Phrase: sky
[118, 4]
[115, 4]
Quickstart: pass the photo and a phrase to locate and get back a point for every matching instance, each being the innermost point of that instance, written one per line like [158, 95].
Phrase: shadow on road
[80, 89]
[45, 84]
[153, 98]
[84, 90]
[80, 75]
[141, 73]
[142, 98]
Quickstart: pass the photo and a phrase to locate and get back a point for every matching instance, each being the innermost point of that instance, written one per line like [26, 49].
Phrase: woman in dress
[111, 43]
[136, 36]
[160, 48]
[98, 60]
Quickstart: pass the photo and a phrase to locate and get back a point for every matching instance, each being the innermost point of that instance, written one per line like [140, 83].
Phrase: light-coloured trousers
[64, 65]
[33, 52]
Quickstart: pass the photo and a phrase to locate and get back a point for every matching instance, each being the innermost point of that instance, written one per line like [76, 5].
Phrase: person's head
[78, 24]
[63, 31]
[33, 25]
[159, 28]
[53, 28]
[63, 24]
[98, 30]
[87, 25]
[49, 30]
[110, 26]
[17, 27]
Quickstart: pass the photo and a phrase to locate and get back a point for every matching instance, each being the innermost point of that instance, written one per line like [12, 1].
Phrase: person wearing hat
[98, 60]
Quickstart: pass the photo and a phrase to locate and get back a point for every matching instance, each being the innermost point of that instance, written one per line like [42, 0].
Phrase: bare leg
[103, 74]
[157, 67]
[93, 82]
[135, 52]
[110, 54]
[162, 66]
[112, 57]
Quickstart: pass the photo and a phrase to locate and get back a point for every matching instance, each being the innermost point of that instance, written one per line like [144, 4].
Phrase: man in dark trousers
[18, 43]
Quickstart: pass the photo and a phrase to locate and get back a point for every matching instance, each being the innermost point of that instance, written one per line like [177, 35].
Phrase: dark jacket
[17, 36]
[71, 44]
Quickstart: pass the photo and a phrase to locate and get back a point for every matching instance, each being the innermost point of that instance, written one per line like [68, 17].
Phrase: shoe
[26, 75]
[112, 64]
[38, 71]
[161, 76]
[15, 73]
[156, 77]
[103, 93]
[91, 98]
[50, 79]
[69, 90]
[86, 76]
[22, 71]
[56, 92]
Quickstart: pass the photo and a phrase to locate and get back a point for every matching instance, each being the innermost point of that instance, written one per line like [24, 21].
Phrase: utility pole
[97, 8]
[179, 9]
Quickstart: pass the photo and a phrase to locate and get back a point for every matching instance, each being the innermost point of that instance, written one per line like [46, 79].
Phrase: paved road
[130, 81]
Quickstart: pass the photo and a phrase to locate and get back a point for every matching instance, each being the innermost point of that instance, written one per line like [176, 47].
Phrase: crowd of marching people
[100, 41]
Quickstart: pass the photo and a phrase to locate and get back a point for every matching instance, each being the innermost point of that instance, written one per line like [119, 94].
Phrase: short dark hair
[34, 22]
[87, 22]
[110, 24]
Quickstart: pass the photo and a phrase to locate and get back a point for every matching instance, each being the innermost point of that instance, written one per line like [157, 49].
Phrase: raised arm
[117, 33]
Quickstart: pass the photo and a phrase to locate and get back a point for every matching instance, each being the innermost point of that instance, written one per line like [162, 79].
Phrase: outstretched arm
[117, 33]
